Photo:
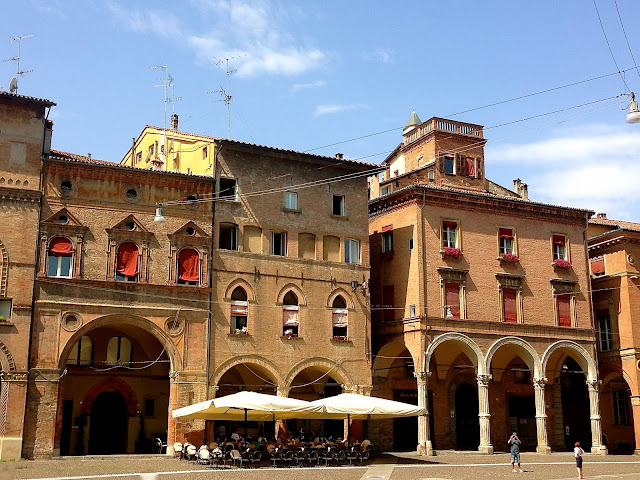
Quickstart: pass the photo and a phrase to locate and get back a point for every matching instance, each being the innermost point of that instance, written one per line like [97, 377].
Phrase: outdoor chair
[365, 455]
[191, 452]
[324, 456]
[245, 459]
[228, 447]
[216, 457]
[276, 458]
[203, 457]
[300, 458]
[177, 450]
[312, 457]
[235, 457]
[340, 458]
[160, 446]
[227, 459]
[353, 456]
[288, 457]
[256, 458]
[213, 445]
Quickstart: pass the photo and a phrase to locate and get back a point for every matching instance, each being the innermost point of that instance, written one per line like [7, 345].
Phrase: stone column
[594, 407]
[425, 446]
[484, 415]
[172, 433]
[539, 385]
[281, 425]
[635, 410]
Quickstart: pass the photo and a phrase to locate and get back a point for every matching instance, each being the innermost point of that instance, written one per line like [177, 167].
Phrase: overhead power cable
[626, 38]
[609, 45]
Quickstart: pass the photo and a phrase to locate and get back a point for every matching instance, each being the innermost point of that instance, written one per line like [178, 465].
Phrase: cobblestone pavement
[398, 466]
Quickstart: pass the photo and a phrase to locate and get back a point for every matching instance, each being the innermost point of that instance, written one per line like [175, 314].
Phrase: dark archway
[108, 424]
[575, 405]
[467, 423]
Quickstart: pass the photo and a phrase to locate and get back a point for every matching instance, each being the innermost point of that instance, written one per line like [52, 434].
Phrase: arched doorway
[617, 415]
[467, 426]
[108, 424]
[575, 405]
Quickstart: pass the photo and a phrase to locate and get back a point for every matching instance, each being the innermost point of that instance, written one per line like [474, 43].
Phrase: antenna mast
[226, 94]
[14, 85]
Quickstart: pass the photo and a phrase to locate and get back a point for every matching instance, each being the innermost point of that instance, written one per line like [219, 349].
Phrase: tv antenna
[167, 82]
[226, 94]
[13, 85]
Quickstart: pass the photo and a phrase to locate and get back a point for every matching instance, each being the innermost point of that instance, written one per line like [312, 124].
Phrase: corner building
[480, 302]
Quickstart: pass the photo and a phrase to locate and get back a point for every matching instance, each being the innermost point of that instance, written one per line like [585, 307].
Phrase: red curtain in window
[470, 163]
[452, 299]
[127, 260]
[506, 233]
[509, 306]
[564, 310]
[449, 224]
[597, 266]
[558, 240]
[188, 265]
[61, 247]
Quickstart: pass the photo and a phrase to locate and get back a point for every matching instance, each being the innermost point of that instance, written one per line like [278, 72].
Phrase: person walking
[578, 452]
[515, 442]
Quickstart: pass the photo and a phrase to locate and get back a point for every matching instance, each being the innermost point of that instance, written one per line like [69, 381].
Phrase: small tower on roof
[412, 123]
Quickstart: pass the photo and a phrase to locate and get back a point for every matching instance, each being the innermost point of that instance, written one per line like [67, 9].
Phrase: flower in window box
[451, 251]
[510, 257]
[241, 331]
[388, 254]
[288, 333]
[4, 319]
[561, 263]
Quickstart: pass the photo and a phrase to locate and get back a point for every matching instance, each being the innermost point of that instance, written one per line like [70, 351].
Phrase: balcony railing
[443, 125]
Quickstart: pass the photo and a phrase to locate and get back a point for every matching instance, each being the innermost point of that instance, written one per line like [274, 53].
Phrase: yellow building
[171, 150]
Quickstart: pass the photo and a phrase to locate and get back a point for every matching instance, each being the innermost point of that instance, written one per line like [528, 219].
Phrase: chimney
[89, 154]
[521, 188]
[48, 133]
[602, 215]
[516, 185]
[339, 156]
[174, 121]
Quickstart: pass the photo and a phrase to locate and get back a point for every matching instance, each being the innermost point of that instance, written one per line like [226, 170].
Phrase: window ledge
[6, 323]
[291, 210]
[290, 337]
[453, 253]
[341, 340]
[339, 217]
[239, 335]
[503, 258]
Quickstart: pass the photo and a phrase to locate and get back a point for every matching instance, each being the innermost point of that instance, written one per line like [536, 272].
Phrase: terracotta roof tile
[26, 98]
[616, 223]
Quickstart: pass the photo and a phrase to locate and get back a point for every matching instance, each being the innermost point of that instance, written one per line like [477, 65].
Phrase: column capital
[174, 377]
[422, 377]
[594, 384]
[283, 391]
[539, 382]
[483, 380]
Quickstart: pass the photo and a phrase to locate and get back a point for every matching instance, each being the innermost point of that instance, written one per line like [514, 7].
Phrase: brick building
[480, 302]
[614, 252]
[22, 128]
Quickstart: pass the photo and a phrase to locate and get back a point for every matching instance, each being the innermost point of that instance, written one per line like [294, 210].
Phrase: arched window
[239, 312]
[339, 318]
[82, 352]
[60, 258]
[290, 315]
[188, 267]
[127, 263]
[119, 351]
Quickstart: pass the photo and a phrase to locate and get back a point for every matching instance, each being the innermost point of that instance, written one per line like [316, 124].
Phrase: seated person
[365, 443]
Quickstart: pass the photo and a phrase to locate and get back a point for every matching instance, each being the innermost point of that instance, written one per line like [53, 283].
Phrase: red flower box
[451, 251]
[561, 263]
[510, 257]
[388, 255]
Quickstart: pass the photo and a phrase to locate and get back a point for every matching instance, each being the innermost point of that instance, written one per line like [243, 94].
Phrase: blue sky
[310, 74]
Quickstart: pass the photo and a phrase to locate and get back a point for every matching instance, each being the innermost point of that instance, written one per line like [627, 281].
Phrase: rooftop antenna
[13, 85]
[226, 94]
[173, 98]
[167, 81]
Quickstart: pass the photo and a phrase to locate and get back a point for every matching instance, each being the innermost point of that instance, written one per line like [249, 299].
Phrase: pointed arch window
[82, 352]
[60, 258]
[340, 318]
[188, 267]
[239, 312]
[128, 263]
[290, 315]
[119, 351]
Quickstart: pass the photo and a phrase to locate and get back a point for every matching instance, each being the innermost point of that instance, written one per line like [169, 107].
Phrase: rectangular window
[307, 246]
[449, 234]
[338, 205]
[384, 191]
[411, 244]
[597, 266]
[228, 236]
[559, 247]
[291, 200]
[470, 164]
[387, 239]
[5, 310]
[228, 189]
[412, 310]
[279, 243]
[290, 321]
[604, 330]
[620, 407]
[252, 239]
[138, 157]
[149, 407]
[59, 266]
[509, 305]
[506, 241]
[351, 251]
[449, 165]
[388, 303]
[452, 300]
[205, 152]
[331, 248]
[239, 315]
[563, 302]
[339, 320]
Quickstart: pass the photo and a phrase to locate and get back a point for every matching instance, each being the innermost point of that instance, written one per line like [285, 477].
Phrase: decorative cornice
[14, 376]
[539, 382]
[484, 379]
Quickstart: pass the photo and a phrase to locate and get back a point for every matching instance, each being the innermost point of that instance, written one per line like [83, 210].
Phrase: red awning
[597, 266]
[61, 247]
[449, 224]
[559, 240]
[188, 265]
[388, 228]
[127, 260]
[506, 233]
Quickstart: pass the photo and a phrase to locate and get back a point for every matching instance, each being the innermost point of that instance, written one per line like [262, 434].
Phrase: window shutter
[127, 261]
[510, 309]
[61, 247]
[597, 266]
[461, 165]
[452, 299]
[188, 265]
[441, 162]
[559, 240]
[479, 168]
[564, 310]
